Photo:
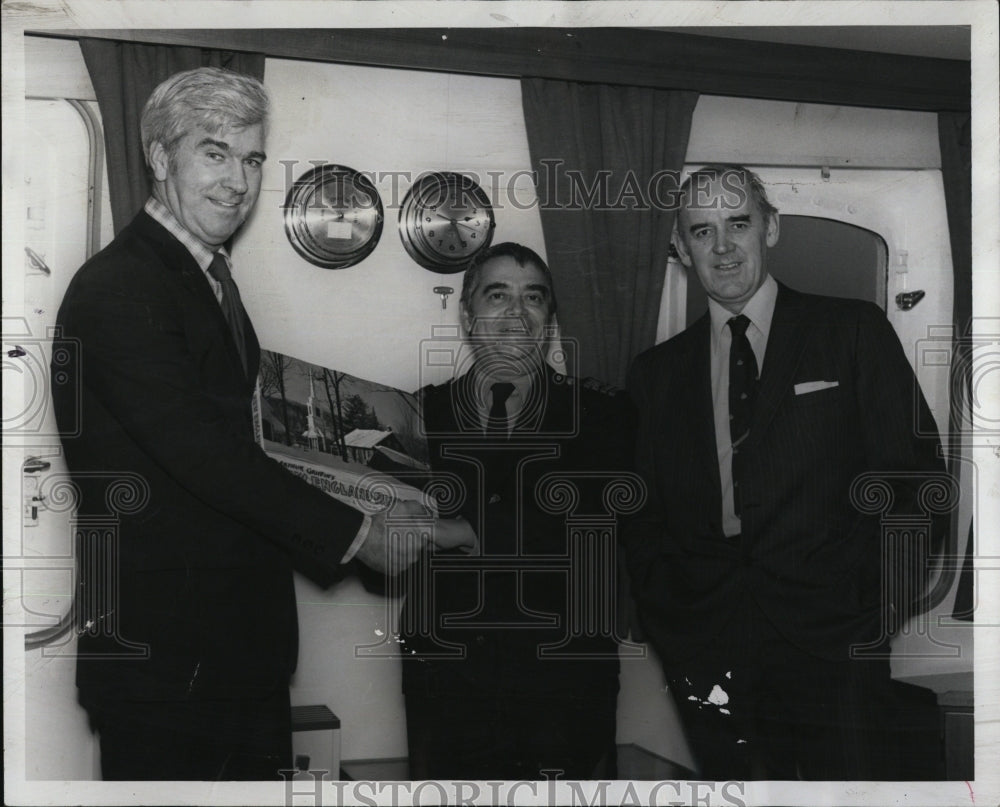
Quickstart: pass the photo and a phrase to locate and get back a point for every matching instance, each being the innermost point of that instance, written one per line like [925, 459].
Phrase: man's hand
[392, 552]
[454, 533]
[391, 548]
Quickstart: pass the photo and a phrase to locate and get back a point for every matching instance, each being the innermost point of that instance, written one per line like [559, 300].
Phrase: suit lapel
[464, 406]
[540, 415]
[552, 407]
[178, 259]
[543, 413]
[253, 350]
[696, 383]
[785, 345]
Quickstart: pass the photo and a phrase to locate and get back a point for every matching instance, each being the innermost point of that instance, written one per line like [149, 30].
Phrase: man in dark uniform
[510, 660]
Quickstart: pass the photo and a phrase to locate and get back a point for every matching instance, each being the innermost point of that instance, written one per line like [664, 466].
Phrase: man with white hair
[188, 615]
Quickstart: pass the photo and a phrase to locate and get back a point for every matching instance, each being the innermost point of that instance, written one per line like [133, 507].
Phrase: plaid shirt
[202, 254]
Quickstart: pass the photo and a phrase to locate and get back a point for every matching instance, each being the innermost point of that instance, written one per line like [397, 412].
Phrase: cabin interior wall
[371, 319]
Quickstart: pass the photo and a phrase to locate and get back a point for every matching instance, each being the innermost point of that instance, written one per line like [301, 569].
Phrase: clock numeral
[447, 218]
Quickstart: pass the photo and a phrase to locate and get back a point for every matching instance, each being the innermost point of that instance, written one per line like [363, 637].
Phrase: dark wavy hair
[524, 256]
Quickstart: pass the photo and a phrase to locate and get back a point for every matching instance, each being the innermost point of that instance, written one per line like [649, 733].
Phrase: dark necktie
[232, 308]
[497, 423]
[742, 394]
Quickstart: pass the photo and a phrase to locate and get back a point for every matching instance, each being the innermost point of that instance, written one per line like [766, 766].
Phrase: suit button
[747, 560]
[494, 498]
[480, 640]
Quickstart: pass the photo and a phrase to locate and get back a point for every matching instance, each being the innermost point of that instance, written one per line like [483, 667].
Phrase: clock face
[445, 219]
[333, 216]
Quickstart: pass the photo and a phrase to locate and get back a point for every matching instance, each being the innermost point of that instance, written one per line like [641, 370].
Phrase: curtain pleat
[607, 158]
[955, 140]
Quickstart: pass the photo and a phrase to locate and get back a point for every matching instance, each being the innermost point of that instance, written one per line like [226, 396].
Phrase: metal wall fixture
[333, 216]
[905, 300]
[444, 220]
[443, 292]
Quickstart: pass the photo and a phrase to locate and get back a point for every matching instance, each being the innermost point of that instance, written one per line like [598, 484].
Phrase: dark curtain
[124, 75]
[955, 140]
[954, 137]
[607, 158]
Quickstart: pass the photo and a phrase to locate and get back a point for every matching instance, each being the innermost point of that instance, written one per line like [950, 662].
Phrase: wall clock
[445, 219]
[333, 216]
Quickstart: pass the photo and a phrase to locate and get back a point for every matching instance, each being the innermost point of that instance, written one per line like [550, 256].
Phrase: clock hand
[443, 218]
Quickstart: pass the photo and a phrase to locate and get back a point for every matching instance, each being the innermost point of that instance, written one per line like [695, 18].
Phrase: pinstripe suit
[802, 583]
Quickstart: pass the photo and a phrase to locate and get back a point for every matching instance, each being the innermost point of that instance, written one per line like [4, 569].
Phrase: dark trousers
[218, 740]
[513, 738]
[754, 706]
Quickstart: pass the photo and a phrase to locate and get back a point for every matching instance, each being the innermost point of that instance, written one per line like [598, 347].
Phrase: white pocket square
[814, 386]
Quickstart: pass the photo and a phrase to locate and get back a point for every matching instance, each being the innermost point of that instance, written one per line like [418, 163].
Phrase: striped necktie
[742, 394]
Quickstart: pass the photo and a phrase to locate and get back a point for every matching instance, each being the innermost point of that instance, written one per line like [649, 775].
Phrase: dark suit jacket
[806, 554]
[203, 554]
[566, 428]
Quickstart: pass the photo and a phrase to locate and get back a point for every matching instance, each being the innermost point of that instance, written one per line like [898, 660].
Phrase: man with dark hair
[757, 571]
[188, 630]
[510, 663]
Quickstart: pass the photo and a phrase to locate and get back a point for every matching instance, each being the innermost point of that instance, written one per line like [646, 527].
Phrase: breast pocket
[825, 396]
[818, 421]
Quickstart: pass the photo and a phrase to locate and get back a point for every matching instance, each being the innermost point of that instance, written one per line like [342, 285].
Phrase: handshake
[391, 547]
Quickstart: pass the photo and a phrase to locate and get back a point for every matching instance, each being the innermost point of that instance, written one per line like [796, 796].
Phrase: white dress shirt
[759, 310]
[203, 255]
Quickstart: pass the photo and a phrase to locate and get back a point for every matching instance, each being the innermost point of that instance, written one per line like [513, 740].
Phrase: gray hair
[209, 97]
[714, 173]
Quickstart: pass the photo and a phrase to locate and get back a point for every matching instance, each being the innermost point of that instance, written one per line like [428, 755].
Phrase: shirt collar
[480, 384]
[522, 386]
[759, 309]
[161, 213]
